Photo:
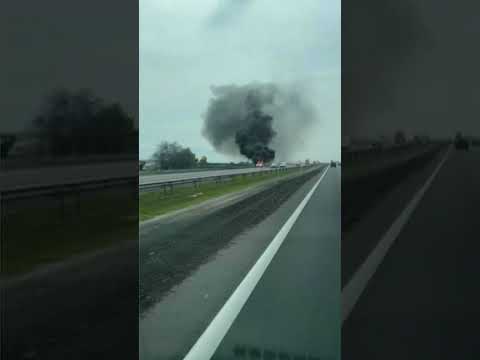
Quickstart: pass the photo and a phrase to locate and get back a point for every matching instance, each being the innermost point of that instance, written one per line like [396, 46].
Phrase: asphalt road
[159, 178]
[294, 309]
[87, 307]
[81, 309]
[11, 180]
[175, 317]
[422, 301]
[69, 174]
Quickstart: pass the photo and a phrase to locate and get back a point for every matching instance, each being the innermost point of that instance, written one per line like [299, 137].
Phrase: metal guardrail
[354, 155]
[373, 164]
[29, 162]
[170, 184]
[197, 169]
[76, 188]
[50, 179]
[63, 189]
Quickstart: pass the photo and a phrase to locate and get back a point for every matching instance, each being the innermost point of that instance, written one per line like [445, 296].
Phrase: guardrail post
[78, 196]
[62, 204]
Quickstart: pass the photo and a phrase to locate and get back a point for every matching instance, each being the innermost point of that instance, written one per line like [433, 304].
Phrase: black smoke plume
[253, 141]
[258, 121]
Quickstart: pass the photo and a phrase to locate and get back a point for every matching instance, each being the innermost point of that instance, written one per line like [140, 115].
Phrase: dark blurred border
[69, 180]
[409, 71]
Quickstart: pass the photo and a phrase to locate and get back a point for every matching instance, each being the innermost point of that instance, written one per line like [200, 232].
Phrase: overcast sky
[410, 65]
[50, 47]
[188, 46]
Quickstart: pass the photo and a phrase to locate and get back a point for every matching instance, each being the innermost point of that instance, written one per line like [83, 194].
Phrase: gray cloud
[227, 11]
[181, 57]
[410, 65]
[56, 44]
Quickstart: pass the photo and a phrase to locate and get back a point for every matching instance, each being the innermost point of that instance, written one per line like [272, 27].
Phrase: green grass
[158, 203]
[42, 232]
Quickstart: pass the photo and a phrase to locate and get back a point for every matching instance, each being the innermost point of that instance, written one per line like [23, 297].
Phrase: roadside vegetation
[157, 203]
[59, 229]
[173, 157]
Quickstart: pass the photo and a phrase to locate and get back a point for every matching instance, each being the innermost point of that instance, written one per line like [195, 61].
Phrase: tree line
[82, 123]
[76, 123]
[172, 155]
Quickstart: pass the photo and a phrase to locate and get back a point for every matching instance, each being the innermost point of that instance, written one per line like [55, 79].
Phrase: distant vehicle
[283, 164]
[461, 143]
[149, 166]
[274, 165]
[333, 164]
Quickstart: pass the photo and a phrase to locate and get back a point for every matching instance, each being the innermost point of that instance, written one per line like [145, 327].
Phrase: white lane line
[211, 338]
[353, 290]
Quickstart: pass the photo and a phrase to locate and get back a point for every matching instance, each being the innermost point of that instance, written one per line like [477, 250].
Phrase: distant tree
[400, 138]
[171, 155]
[112, 124]
[6, 144]
[203, 161]
[81, 123]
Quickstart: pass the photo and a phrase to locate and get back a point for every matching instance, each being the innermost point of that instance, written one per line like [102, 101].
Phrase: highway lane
[11, 180]
[370, 207]
[69, 174]
[294, 309]
[172, 323]
[80, 309]
[422, 302]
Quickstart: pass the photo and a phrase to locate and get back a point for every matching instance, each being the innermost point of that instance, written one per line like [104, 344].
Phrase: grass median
[161, 202]
[41, 231]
